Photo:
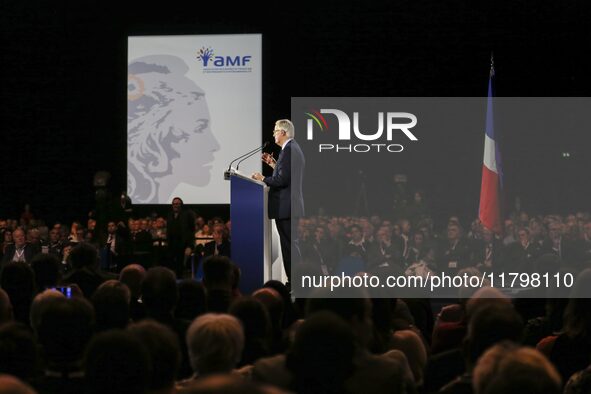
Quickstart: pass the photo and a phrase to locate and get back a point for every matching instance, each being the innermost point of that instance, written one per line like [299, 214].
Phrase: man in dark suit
[20, 250]
[116, 247]
[180, 233]
[220, 246]
[285, 183]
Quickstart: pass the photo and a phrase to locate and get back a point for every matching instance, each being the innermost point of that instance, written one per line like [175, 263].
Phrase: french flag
[492, 174]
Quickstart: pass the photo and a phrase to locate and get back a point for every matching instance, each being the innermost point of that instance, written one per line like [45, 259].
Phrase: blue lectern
[251, 231]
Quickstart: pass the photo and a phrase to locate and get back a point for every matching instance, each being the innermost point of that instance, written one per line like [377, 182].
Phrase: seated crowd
[76, 319]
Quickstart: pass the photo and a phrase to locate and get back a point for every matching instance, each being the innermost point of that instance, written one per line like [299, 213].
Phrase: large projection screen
[194, 103]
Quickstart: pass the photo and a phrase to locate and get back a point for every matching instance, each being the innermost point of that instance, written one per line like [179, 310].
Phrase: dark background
[63, 78]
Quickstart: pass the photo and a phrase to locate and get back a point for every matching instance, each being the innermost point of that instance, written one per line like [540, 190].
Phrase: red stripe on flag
[490, 204]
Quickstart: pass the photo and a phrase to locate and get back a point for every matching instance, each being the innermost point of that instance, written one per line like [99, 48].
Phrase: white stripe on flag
[490, 158]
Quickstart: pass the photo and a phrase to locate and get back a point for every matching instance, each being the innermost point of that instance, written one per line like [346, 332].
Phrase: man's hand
[268, 159]
[257, 176]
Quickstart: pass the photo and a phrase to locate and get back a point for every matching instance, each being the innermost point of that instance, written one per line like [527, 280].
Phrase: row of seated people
[146, 332]
[120, 247]
[417, 248]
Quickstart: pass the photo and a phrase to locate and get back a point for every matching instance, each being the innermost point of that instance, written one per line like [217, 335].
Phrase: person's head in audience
[54, 236]
[507, 368]
[160, 293]
[164, 353]
[111, 305]
[7, 237]
[453, 232]
[215, 343]
[192, 300]
[64, 331]
[355, 311]
[355, 233]
[555, 230]
[133, 275]
[483, 296]
[579, 382]
[116, 362]
[321, 358]
[5, 308]
[83, 255]
[47, 270]
[489, 324]
[18, 351]
[257, 327]
[274, 304]
[11, 385]
[18, 280]
[39, 305]
[218, 280]
[289, 312]
[33, 236]
[18, 237]
[217, 273]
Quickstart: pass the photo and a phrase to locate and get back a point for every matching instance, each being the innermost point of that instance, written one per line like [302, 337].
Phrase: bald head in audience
[11, 385]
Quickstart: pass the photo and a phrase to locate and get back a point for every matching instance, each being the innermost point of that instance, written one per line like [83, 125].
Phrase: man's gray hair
[215, 343]
[285, 125]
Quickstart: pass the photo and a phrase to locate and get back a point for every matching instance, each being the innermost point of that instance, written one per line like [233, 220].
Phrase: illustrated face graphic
[169, 135]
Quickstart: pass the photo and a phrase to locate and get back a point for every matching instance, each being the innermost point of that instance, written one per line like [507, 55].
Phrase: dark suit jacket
[287, 178]
[223, 249]
[183, 235]
[30, 252]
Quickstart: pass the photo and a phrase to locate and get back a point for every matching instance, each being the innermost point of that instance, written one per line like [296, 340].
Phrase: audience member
[507, 368]
[133, 275]
[215, 343]
[164, 354]
[257, 328]
[111, 305]
[116, 362]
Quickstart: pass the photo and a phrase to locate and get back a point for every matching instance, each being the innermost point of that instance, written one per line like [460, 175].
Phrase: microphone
[261, 148]
[228, 172]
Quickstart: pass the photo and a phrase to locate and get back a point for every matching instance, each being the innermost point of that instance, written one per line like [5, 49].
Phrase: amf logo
[390, 124]
[227, 63]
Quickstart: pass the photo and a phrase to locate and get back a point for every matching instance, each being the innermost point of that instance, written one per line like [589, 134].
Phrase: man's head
[54, 235]
[217, 273]
[18, 237]
[523, 235]
[83, 255]
[218, 232]
[453, 232]
[116, 362]
[177, 204]
[163, 351]
[283, 131]
[34, 236]
[159, 291]
[111, 227]
[487, 235]
[356, 233]
[215, 343]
